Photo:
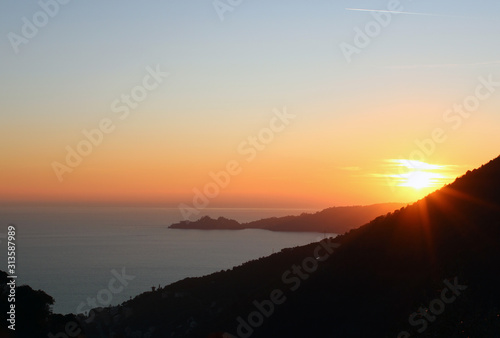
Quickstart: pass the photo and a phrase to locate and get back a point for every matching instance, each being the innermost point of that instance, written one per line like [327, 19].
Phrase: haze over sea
[69, 252]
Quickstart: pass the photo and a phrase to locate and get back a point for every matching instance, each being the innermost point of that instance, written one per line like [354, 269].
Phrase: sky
[244, 103]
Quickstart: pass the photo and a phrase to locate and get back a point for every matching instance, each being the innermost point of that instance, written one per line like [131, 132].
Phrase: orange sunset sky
[426, 88]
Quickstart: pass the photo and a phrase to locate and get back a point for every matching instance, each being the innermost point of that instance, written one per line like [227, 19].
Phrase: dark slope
[381, 274]
[331, 220]
[33, 317]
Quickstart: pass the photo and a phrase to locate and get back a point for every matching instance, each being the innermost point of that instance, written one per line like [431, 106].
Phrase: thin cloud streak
[408, 13]
[445, 65]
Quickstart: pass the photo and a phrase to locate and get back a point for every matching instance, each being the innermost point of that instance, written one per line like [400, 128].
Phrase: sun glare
[418, 175]
[419, 180]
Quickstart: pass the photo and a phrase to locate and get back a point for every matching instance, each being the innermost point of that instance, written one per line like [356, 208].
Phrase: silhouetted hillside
[33, 313]
[332, 220]
[434, 262]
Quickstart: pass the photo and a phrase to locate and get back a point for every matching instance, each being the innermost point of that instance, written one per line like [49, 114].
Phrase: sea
[87, 257]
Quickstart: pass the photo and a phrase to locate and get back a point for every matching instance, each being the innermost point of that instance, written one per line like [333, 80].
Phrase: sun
[418, 175]
[419, 180]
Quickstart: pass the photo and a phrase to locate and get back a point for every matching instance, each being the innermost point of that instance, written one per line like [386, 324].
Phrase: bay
[76, 253]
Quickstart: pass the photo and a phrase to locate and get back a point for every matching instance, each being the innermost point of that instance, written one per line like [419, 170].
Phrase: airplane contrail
[408, 13]
[446, 65]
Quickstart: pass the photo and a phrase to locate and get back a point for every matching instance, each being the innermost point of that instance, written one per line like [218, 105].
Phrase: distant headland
[331, 220]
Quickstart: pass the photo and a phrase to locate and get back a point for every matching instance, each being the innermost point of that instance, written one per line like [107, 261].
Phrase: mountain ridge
[330, 220]
[380, 276]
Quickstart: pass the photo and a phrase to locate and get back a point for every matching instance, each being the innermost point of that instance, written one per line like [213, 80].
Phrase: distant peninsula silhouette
[331, 220]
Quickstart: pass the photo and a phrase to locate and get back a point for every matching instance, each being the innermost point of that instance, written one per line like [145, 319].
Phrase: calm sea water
[70, 253]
